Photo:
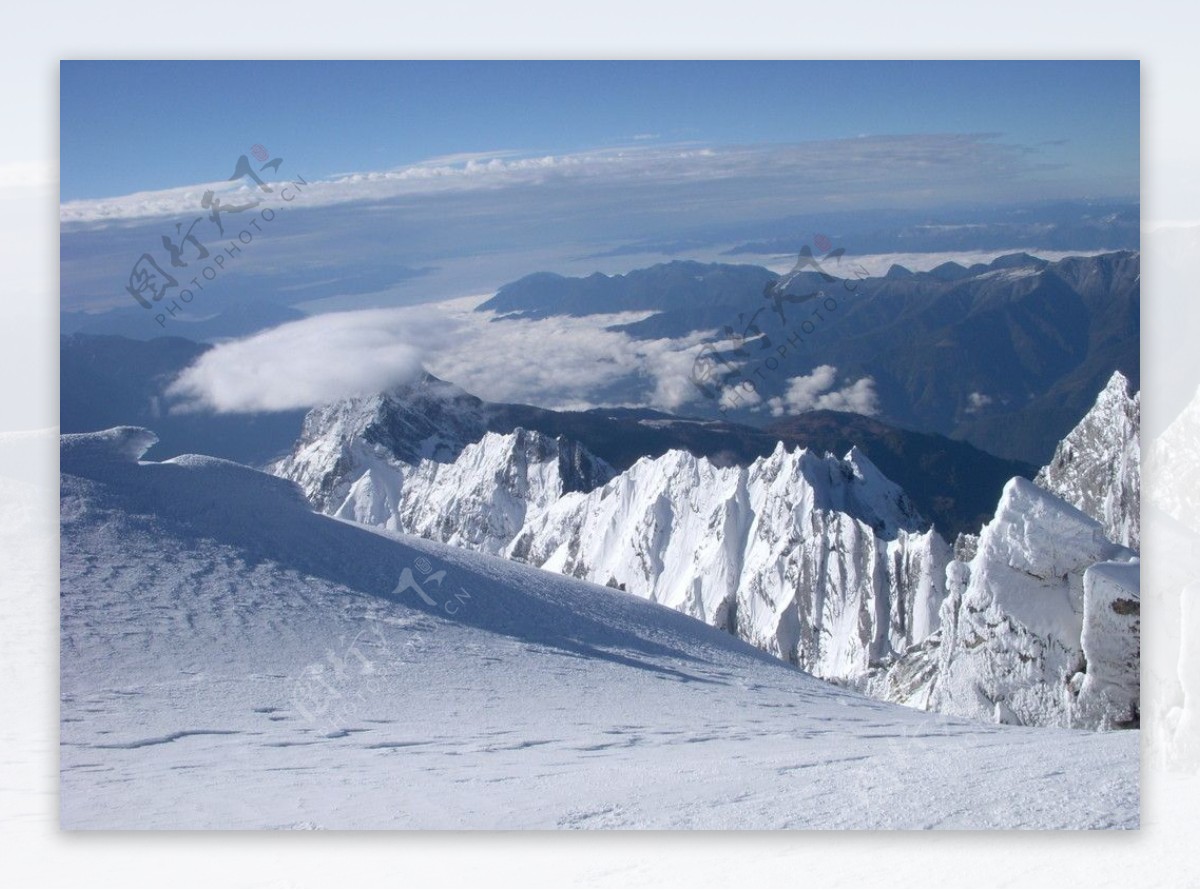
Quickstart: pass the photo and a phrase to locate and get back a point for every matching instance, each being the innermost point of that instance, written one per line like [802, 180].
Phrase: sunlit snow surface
[232, 660]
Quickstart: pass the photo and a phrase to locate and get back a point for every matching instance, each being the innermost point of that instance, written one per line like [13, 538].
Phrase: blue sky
[428, 182]
[137, 126]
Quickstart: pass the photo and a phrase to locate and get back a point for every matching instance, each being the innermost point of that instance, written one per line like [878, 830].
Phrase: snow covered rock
[819, 560]
[1014, 617]
[481, 499]
[418, 460]
[425, 420]
[1097, 467]
[1109, 691]
[122, 444]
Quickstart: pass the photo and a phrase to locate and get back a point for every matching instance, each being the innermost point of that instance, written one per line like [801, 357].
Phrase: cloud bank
[563, 363]
[818, 391]
[921, 169]
[301, 364]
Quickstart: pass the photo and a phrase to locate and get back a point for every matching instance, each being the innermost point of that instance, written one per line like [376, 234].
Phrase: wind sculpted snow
[1097, 467]
[232, 659]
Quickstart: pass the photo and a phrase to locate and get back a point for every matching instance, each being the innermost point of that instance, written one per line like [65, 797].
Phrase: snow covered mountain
[1041, 627]
[425, 420]
[1041, 619]
[231, 659]
[421, 463]
[1097, 467]
[819, 560]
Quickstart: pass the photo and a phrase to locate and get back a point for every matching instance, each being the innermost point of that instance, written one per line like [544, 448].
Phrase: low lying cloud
[559, 362]
[977, 401]
[301, 364]
[816, 391]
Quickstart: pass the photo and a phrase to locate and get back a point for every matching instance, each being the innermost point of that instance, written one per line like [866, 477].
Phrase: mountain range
[820, 560]
[1030, 341]
[231, 659]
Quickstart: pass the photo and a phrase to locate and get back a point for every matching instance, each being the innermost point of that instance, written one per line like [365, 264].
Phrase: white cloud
[302, 364]
[558, 362]
[976, 401]
[815, 391]
[917, 168]
[740, 397]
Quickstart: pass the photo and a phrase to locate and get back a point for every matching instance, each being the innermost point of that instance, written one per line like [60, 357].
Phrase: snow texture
[1097, 467]
[1023, 620]
[819, 560]
[231, 659]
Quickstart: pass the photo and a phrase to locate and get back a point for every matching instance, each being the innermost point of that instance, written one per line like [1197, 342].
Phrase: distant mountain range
[1006, 355]
[1048, 225]
[1055, 226]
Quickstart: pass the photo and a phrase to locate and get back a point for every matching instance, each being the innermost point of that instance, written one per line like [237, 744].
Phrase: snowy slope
[1097, 467]
[232, 659]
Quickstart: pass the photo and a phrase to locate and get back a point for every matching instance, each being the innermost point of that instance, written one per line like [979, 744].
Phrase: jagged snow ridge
[822, 561]
[428, 419]
[419, 459]
[479, 501]
[1097, 467]
[819, 560]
